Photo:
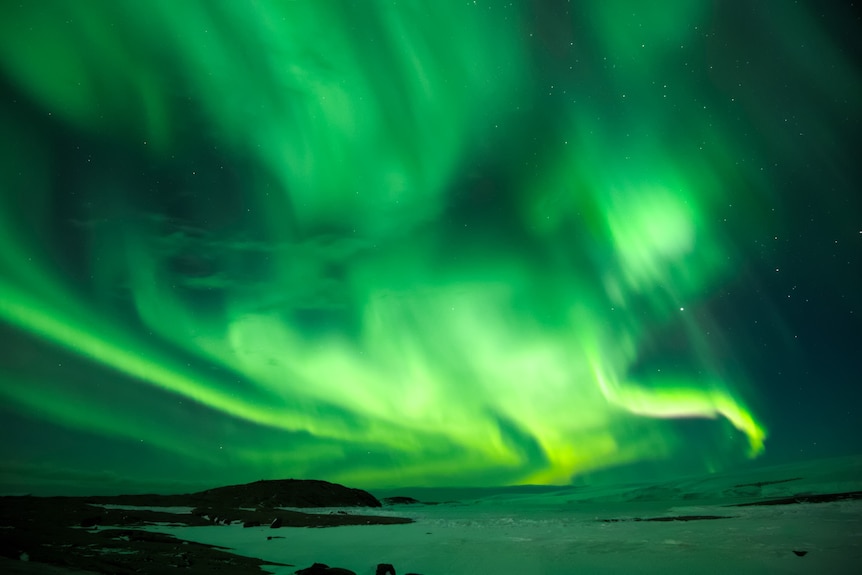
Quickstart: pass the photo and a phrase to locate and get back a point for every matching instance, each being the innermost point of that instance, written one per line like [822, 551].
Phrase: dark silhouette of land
[78, 534]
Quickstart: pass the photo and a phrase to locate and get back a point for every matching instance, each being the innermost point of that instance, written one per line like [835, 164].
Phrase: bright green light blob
[650, 228]
[417, 362]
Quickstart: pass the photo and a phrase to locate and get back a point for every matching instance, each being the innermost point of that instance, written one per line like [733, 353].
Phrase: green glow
[314, 280]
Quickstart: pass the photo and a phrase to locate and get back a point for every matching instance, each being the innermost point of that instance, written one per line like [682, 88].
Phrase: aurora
[413, 243]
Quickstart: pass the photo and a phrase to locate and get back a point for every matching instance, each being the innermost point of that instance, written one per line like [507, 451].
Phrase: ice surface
[561, 531]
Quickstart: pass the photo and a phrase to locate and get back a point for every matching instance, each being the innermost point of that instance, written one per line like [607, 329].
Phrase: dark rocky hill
[289, 493]
[264, 494]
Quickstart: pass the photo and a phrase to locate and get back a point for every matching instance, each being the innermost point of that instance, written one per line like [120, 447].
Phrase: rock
[323, 569]
[91, 521]
[247, 524]
[385, 569]
[400, 500]
[315, 569]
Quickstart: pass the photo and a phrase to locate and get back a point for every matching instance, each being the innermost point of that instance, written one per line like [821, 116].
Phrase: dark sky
[425, 243]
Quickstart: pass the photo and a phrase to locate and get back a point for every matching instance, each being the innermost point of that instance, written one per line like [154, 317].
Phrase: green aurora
[386, 243]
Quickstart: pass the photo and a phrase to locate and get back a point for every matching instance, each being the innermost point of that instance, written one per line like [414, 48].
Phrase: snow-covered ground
[561, 531]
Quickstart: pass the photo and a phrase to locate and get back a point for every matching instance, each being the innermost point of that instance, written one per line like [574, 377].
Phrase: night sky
[390, 243]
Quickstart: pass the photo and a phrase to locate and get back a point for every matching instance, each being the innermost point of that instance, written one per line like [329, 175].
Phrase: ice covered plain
[686, 526]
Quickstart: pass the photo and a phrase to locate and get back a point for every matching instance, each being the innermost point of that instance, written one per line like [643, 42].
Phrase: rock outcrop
[323, 569]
